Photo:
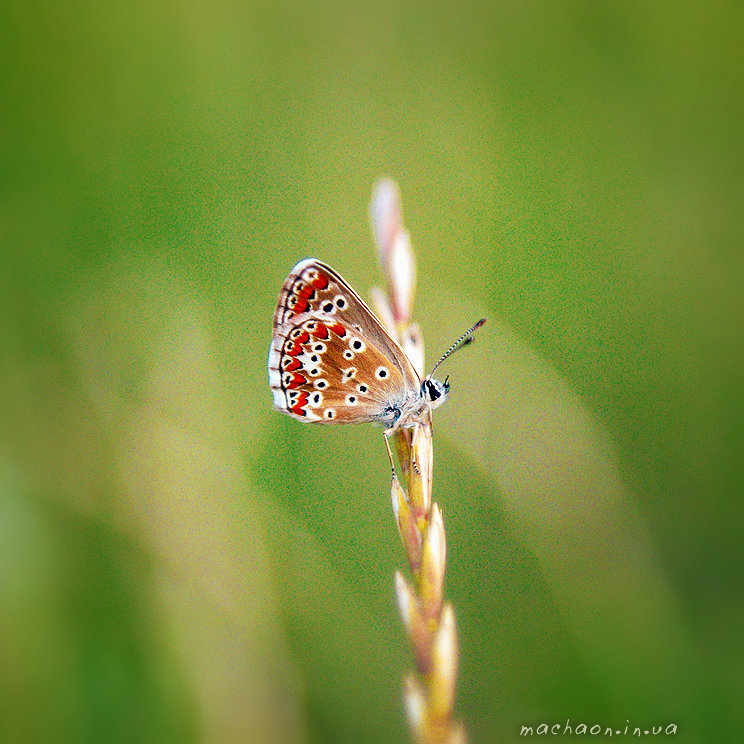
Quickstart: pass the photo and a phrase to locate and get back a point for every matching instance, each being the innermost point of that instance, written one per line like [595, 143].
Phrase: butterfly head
[434, 391]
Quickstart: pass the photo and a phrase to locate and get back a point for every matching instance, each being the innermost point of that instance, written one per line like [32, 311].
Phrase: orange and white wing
[331, 360]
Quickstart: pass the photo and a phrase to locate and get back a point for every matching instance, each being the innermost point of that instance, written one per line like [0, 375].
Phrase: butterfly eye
[381, 373]
[314, 372]
[328, 307]
[351, 400]
[431, 391]
[310, 325]
[330, 413]
[321, 384]
[314, 358]
[296, 333]
[357, 344]
[319, 347]
[340, 302]
[348, 354]
[362, 388]
[348, 374]
[316, 399]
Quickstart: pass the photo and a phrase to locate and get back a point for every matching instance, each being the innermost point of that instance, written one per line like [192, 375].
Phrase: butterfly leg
[387, 434]
[414, 461]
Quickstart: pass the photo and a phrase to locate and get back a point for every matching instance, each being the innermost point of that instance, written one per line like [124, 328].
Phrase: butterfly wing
[331, 360]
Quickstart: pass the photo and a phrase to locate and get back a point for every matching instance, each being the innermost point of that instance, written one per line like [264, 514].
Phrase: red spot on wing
[338, 329]
[296, 381]
[293, 365]
[321, 331]
[293, 349]
[299, 407]
[320, 281]
[303, 299]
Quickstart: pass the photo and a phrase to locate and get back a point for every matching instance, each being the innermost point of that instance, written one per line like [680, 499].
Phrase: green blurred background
[178, 563]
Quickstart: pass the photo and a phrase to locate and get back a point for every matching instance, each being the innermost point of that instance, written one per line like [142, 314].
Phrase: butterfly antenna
[464, 340]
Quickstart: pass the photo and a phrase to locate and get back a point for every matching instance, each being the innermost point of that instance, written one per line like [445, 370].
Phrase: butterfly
[332, 361]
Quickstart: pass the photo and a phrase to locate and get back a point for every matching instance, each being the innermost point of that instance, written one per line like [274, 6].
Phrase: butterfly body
[332, 361]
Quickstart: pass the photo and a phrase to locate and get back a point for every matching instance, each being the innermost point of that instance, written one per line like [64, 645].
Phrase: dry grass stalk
[430, 624]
